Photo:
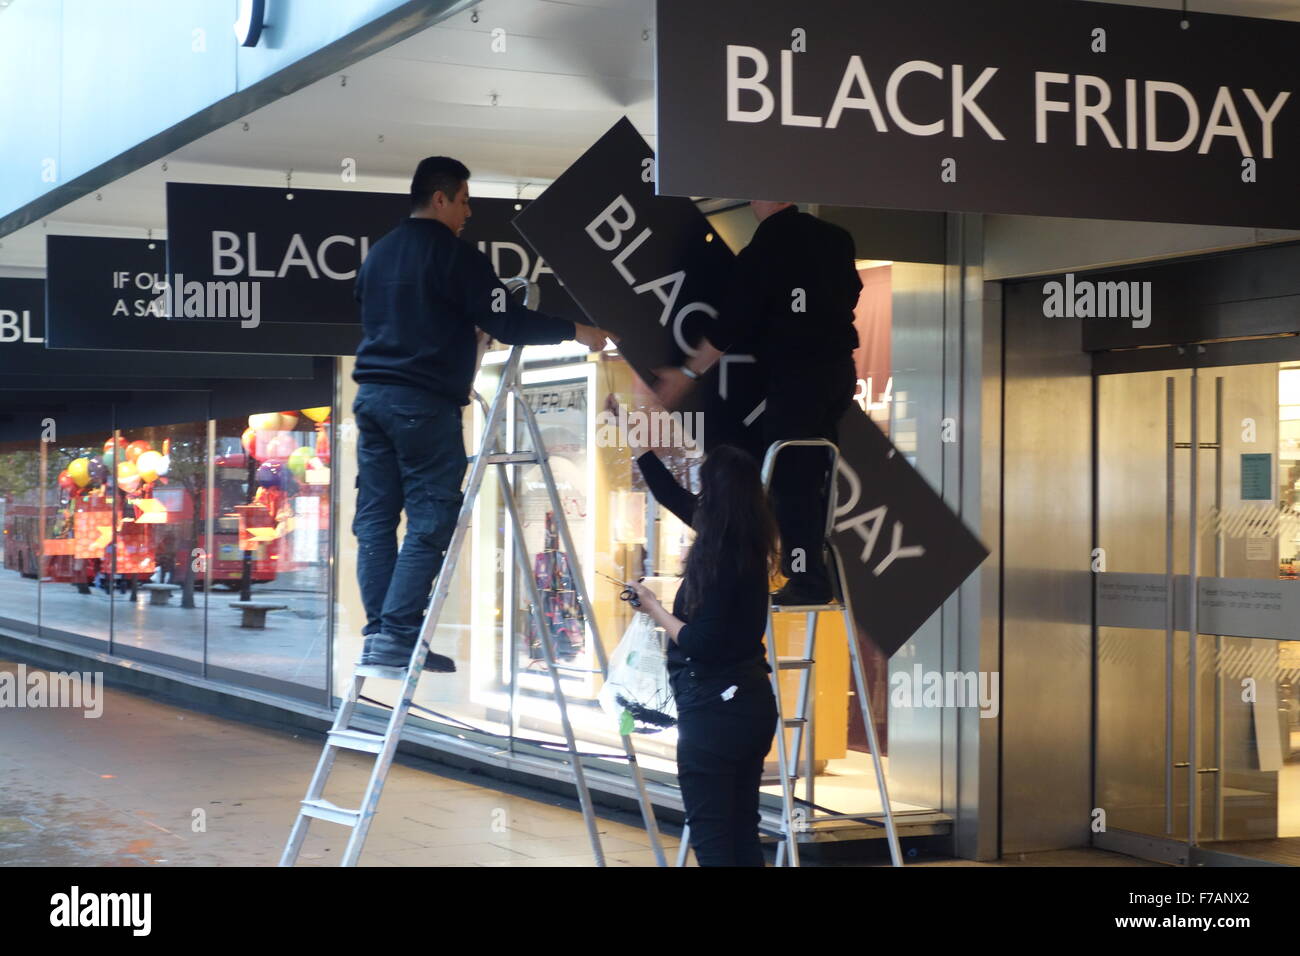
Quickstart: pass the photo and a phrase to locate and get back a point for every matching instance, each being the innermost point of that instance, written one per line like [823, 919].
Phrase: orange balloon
[136, 449]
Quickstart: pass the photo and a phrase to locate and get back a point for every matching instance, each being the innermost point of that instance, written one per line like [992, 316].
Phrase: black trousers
[804, 403]
[721, 746]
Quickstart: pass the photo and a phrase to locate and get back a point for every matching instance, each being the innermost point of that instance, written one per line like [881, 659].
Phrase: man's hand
[590, 336]
[672, 388]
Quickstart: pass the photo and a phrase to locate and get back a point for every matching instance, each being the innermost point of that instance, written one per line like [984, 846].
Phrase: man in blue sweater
[424, 295]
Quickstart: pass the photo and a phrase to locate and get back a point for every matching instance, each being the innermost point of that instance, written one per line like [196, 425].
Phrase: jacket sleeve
[665, 488]
[489, 305]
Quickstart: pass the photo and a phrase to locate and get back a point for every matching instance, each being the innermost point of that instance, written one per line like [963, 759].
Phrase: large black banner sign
[28, 361]
[651, 270]
[904, 551]
[302, 254]
[113, 294]
[644, 267]
[1042, 107]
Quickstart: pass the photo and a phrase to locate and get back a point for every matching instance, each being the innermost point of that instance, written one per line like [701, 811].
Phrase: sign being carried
[1039, 107]
[650, 269]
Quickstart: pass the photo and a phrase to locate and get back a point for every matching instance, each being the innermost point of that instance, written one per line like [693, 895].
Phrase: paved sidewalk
[152, 784]
[131, 787]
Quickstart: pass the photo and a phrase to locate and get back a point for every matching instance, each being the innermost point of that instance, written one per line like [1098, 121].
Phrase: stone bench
[160, 594]
[255, 612]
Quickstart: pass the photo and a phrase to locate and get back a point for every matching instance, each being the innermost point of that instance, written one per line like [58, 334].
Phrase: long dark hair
[733, 523]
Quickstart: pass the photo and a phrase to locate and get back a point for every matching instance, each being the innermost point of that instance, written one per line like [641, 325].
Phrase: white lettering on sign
[607, 230]
[17, 327]
[233, 256]
[867, 524]
[1242, 116]
[527, 268]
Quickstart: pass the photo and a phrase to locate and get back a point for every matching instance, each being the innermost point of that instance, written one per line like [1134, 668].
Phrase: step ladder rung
[794, 663]
[795, 721]
[324, 810]
[361, 740]
[510, 458]
[380, 671]
[772, 779]
[805, 608]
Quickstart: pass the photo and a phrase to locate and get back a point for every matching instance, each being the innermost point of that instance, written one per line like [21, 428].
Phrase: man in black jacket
[424, 295]
[791, 299]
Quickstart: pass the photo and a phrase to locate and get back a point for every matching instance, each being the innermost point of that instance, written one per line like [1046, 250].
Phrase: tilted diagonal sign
[650, 269]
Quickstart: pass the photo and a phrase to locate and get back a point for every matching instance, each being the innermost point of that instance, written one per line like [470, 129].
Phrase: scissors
[628, 594]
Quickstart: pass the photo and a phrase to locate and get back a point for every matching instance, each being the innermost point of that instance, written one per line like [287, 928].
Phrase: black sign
[490, 229]
[1042, 107]
[113, 294]
[903, 549]
[301, 254]
[27, 362]
[648, 268]
[644, 267]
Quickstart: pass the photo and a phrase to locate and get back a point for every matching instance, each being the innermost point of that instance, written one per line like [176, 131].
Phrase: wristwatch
[693, 376]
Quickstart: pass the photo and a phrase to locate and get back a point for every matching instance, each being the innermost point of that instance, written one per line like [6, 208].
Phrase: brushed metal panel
[1047, 592]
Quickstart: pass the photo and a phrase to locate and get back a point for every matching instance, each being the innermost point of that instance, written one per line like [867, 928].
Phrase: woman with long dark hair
[716, 661]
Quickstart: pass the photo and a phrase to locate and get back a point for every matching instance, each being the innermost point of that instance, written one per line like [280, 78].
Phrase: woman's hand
[658, 613]
[646, 597]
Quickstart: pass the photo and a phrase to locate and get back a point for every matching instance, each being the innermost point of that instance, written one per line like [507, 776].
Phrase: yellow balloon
[317, 415]
[266, 422]
[79, 472]
[128, 477]
[147, 465]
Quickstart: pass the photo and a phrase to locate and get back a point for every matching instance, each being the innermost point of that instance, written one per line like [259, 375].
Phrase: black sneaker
[382, 651]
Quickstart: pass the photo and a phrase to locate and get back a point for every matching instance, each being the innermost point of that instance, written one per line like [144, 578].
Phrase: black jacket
[792, 295]
[722, 642]
[423, 292]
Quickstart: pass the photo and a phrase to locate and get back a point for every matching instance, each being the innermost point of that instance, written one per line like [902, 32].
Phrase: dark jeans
[720, 752]
[410, 455]
[804, 404]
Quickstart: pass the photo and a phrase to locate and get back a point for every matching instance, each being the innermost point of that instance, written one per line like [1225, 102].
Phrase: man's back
[414, 334]
[795, 289]
[423, 293]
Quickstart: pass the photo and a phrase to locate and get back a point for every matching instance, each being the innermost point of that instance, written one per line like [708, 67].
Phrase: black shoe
[382, 651]
[803, 594]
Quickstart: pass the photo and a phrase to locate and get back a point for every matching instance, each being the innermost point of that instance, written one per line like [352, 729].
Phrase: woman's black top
[722, 642]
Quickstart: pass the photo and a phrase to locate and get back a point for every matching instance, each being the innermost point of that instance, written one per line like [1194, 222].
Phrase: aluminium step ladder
[342, 736]
[795, 820]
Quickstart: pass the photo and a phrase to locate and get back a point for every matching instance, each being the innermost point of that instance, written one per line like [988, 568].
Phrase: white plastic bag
[637, 693]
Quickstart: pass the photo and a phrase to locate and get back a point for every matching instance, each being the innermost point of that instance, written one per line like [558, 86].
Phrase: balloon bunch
[269, 441]
[137, 465]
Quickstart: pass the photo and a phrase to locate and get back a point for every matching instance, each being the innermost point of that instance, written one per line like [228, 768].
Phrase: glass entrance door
[1198, 526]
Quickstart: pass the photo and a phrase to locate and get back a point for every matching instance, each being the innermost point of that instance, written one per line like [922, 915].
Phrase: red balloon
[136, 449]
[114, 442]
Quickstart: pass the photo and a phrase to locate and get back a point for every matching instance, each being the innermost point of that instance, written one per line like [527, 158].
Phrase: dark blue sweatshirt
[423, 292]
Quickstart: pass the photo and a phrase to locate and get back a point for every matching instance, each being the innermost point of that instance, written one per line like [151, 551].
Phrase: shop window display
[22, 526]
[122, 536]
[270, 548]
